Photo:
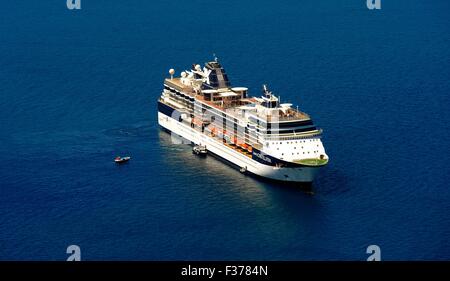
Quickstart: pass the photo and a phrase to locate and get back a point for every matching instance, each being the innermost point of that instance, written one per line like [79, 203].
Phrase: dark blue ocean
[79, 87]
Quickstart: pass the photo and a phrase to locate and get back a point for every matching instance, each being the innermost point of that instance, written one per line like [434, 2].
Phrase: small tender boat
[199, 150]
[120, 160]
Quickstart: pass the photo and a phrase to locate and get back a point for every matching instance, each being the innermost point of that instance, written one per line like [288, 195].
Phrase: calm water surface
[80, 87]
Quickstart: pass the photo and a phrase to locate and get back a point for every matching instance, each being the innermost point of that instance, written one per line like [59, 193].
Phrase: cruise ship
[257, 135]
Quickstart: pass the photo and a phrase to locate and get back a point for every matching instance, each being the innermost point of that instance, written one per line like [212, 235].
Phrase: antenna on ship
[171, 72]
[266, 91]
[215, 58]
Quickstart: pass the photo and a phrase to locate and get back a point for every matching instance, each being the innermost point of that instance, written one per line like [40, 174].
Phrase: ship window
[282, 153]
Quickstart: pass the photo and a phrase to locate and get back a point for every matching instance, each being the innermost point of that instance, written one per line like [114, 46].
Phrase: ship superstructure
[259, 135]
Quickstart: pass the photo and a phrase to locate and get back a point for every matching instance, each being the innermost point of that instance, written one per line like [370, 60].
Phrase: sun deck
[176, 83]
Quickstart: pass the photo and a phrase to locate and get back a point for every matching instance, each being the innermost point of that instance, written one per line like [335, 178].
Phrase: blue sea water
[79, 87]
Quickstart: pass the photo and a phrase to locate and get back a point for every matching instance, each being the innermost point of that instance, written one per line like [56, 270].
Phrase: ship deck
[232, 109]
[312, 161]
[176, 83]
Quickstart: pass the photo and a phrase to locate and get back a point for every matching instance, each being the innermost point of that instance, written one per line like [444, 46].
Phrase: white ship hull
[288, 174]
